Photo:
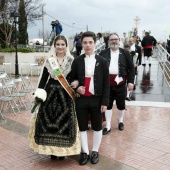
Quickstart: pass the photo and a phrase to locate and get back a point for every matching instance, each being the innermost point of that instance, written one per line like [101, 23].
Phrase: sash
[58, 74]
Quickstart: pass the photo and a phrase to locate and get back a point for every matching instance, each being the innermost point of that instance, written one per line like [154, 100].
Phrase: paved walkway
[144, 144]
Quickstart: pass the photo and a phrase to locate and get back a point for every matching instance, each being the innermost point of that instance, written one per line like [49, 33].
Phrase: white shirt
[132, 48]
[90, 62]
[113, 68]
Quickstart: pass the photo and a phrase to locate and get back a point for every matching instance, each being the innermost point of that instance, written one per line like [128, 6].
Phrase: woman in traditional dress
[54, 128]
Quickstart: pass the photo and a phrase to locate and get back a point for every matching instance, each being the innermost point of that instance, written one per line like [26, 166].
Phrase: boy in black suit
[92, 72]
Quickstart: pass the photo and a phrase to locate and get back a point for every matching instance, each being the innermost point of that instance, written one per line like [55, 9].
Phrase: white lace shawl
[66, 64]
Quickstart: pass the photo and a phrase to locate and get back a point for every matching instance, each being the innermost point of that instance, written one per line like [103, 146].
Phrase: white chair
[7, 68]
[12, 91]
[5, 97]
[35, 68]
[24, 87]
[25, 68]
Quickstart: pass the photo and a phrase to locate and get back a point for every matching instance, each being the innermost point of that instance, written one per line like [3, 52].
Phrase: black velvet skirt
[56, 119]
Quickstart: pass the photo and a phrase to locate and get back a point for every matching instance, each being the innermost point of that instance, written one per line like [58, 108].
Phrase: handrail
[99, 48]
[161, 55]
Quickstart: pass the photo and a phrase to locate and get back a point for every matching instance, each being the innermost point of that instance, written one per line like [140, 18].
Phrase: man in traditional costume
[92, 72]
[121, 70]
[135, 53]
[148, 42]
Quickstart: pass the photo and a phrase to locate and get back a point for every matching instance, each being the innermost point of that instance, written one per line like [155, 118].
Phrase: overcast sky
[107, 15]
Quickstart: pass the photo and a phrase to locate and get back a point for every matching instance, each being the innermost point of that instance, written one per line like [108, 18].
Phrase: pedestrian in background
[77, 43]
[148, 42]
[58, 28]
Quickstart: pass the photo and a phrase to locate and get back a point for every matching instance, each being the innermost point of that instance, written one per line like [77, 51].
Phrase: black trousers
[136, 70]
[147, 52]
[89, 106]
[117, 93]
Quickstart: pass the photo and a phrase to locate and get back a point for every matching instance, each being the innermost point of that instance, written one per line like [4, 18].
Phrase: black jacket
[137, 50]
[148, 40]
[101, 76]
[126, 67]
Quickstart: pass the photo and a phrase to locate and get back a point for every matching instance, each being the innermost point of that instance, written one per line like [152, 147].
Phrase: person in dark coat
[121, 70]
[58, 28]
[92, 72]
[168, 49]
[147, 43]
[106, 38]
[77, 42]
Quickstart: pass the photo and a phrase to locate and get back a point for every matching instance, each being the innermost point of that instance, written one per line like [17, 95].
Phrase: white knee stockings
[97, 137]
[120, 115]
[108, 115]
[84, 142]
[147, 58]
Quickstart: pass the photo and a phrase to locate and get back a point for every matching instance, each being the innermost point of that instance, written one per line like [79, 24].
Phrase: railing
[38, 48]
[99, 48]
[162, 55]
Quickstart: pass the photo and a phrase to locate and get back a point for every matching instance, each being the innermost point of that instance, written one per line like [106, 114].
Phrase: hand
[37, 102]
[74, 84]
[130, 86]
[135, 65]
[81, 90]
[103, 108]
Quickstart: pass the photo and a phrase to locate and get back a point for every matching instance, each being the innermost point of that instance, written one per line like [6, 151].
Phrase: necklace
[60, 61]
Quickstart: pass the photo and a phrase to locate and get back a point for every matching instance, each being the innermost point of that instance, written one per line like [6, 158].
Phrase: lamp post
[72, 29]
[15, 15]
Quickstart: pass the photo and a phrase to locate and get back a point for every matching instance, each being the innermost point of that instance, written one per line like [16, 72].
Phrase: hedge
[23, 50]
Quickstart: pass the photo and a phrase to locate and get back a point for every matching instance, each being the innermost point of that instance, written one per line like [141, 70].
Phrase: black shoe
[128, 98]
[94, 157]
[83, 158]
[144, 64]
[149, 65]
[61, 158]
[105, 131]
[121, 126]
[53, 157]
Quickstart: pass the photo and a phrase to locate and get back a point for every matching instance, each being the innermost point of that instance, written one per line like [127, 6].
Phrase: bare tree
[32, 8]
[6, 29]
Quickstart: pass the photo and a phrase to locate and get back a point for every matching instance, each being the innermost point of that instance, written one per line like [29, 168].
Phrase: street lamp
[15, 15]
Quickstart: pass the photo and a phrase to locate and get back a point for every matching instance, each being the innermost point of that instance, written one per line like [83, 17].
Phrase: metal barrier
[38, 48]
[99, 48]
[161, 54]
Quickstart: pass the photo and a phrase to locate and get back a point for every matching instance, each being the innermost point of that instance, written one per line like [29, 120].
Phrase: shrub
[23, 50]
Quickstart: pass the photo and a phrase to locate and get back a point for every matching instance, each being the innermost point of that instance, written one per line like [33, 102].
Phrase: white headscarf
[66, 64]
[68, 58]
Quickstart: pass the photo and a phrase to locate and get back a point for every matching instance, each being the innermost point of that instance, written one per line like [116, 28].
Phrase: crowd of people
[77, 45]
[73, 90]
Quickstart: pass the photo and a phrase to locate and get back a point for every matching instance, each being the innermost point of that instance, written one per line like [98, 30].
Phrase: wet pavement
[151, 84]
[144, 144]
